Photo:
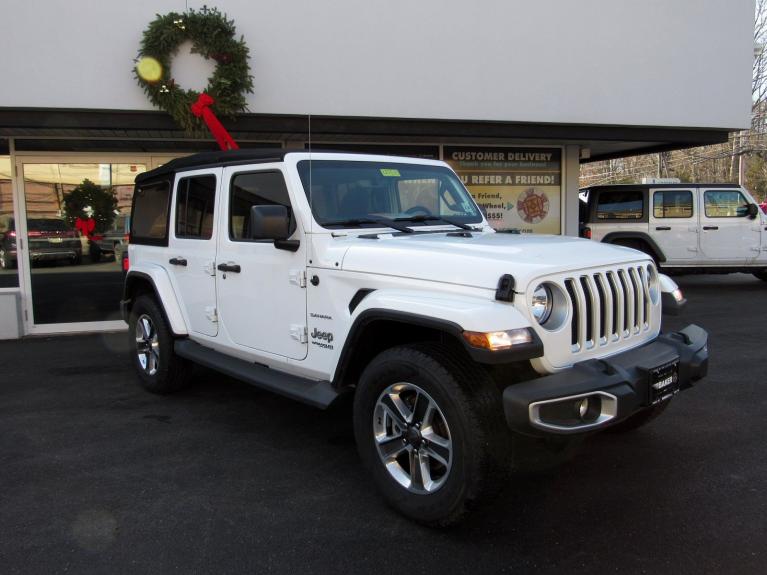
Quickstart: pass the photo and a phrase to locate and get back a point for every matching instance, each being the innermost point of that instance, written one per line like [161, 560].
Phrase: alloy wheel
[412, 438]
[147, 345]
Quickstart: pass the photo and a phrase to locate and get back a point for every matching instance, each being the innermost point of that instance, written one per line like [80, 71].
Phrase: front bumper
[620, 385]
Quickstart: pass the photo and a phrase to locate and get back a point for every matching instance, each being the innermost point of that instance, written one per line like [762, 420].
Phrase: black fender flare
[640, 236]
[356, 331]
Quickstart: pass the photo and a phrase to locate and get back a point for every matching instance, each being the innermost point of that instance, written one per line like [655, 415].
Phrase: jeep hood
[479, 260]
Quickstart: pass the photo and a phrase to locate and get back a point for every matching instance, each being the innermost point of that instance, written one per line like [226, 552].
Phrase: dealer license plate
[664, 382]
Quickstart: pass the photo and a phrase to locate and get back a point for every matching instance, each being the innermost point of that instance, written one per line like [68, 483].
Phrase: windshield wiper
[425, 218]
[358, 221]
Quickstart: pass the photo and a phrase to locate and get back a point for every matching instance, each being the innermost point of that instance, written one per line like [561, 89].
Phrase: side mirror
[269, 222]
[753, 211]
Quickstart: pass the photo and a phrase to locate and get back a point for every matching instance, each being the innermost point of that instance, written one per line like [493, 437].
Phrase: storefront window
[9, 276]
[518, 188]
[78, 217]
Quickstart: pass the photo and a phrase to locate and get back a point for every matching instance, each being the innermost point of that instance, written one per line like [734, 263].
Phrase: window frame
[291, 212]
[187, 180]
[644, 198]
[675, 190]
[735, 190]
[147, 241]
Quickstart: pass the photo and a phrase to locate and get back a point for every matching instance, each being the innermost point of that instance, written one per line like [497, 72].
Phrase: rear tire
[464, 453]
[640, 419]
[159, 369]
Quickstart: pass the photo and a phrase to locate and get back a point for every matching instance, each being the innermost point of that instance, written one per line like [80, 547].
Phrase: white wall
[651, 62]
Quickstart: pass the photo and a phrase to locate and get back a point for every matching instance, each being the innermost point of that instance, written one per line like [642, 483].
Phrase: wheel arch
[157, 284]
[657, 253]
[376, 330]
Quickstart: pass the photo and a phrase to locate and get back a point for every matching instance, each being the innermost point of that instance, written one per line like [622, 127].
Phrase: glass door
[76, 217]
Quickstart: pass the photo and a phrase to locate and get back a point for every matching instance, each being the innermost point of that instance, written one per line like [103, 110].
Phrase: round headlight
[541, 304]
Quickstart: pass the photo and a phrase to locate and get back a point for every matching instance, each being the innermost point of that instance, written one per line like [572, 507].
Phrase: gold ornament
[149, 69]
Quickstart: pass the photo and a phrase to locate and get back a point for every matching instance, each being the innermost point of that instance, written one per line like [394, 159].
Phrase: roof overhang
[44, 129]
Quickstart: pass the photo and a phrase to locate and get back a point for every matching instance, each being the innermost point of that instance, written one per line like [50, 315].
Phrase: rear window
[47, 225]
[149, 221]
[624, 205]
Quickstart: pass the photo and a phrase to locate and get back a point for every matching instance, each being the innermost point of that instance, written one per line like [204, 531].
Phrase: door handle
[229, 267]
[710, 227]
[662, 228]
[177, 262]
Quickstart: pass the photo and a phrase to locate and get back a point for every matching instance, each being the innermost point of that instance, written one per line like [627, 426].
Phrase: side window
[255, 189]
[623, 205]
[725, 204]
[195, 203]
[149, 222]
[672, 204]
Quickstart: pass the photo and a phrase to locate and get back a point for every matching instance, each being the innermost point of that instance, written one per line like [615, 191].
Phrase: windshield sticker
[390, 172]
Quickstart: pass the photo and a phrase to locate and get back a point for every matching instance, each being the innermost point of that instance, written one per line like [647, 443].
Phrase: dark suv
[50, 239]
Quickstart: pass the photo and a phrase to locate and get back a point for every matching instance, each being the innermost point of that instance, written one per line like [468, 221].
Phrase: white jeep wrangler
[711, 228]
[316, 275]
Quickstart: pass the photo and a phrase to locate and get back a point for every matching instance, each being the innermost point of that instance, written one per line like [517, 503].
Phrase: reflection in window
[672, 204]
[195, 202]
[256, 189]
[76, 218]
[9, 276]
[624, 205]
[725, 204]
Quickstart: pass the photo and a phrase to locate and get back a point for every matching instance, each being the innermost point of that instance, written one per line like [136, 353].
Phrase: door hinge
[756, 249]
[300, 333]
[298, 278]
[692, 249]
[211, 313]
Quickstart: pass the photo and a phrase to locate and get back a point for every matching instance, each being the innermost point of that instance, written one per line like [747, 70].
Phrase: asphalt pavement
[98, 476]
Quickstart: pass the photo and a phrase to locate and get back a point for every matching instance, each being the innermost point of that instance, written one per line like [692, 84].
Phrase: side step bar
[316, 393]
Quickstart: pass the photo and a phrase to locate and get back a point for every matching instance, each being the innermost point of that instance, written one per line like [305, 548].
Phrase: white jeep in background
[712, 228]
[322, 275]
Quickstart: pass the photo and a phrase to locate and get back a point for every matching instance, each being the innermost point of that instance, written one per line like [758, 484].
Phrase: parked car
[715, 228]
[322, 275]
[112, 243]
[50, 239]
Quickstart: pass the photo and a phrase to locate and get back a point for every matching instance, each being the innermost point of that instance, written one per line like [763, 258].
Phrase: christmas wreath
[212, 36]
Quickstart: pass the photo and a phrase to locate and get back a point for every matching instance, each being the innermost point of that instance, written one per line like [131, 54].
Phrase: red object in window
[586, 233]
[126, 262]
[86, 226]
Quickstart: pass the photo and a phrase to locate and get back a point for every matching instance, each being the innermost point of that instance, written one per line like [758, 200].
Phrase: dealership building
[515, 96]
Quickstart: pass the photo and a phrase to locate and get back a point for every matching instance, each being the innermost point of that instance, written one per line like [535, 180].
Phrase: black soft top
[619, 187]
[221, 158]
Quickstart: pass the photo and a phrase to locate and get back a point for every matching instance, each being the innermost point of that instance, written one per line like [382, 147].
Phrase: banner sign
[519, 188]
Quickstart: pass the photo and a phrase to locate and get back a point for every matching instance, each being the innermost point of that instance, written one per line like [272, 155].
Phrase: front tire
[159, 369]
[429, 427]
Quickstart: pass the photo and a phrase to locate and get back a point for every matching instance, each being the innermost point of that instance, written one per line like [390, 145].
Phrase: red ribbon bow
[201, 108]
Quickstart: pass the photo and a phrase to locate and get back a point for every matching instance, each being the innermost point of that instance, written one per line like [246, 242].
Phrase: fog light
[583, 407]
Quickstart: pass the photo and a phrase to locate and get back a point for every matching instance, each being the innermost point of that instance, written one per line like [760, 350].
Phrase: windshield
[354, 194]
